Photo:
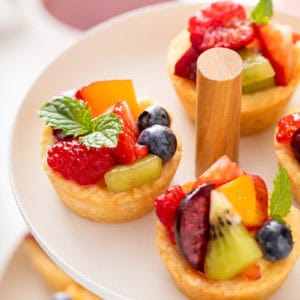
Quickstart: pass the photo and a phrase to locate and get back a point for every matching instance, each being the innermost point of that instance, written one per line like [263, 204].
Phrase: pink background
[83, 14]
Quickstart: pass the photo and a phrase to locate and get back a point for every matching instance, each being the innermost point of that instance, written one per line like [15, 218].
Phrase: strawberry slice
[186, 65]
[262, 200]
[126, 151]
[222, 171]
[276, 42]
[296, 37]
[222, 24]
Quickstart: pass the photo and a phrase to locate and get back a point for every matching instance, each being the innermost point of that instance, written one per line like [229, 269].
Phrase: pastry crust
[259, 110]
[195, 286]
[288, 161]
[96, 202]
[55, 279]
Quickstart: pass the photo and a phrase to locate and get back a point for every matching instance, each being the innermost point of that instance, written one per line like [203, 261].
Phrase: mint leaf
[68, 114]
[281, 199]
[106, 129]
[262, 12]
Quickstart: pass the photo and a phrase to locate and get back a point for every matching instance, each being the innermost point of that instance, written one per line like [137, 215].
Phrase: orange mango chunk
[102, 95]
[242, 195]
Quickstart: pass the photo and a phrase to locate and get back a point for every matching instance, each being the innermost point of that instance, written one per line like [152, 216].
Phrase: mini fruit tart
[271, 59]
[287, 148]
[220, 240]
[107, 159]
[59, 283]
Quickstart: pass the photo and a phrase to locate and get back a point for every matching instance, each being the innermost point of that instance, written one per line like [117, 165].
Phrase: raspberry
[74, 161]
[166, 206]
[125, 152]
[287, 127]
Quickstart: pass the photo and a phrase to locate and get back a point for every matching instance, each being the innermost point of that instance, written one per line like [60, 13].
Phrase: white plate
[117, 261]
[20, 280]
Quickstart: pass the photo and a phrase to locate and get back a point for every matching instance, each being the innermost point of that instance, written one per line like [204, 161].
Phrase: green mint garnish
[105, 132]
[74, 118]
[262, 12]
[281, 199]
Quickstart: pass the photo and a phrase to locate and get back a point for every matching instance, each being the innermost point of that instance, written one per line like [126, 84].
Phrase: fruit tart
[107, 156]
[287, 148]
[270, 54]
[220, 239]
[59, 283]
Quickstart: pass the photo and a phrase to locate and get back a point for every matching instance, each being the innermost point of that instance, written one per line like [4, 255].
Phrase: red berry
[141, 150]
[78, 95]
[74, 161]
[125, 152]
[276, 42]
[166, 206]
[222, 24]
[287, 127]
[220, 172]
[186, 65]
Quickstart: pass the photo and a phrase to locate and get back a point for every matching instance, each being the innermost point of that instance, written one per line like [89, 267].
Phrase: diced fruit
[222, 171]
[152, 115]
[242, 195]
[258, 73]
[275, 240]
[166, 206]
[277, 45]
[262, 197]
[74, 161]
[286, 128]
[124, 178]
[222, 24]
[231, 249]
[252, 272]
[258, 86]
[101, 95]
[141, 150]
[126, 151]
[295, 144]
[186, 65]
[61, 296]
[192, 225]
[160, 140]
[296, 37]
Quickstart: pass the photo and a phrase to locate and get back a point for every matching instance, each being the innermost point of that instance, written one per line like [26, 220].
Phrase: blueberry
[295, 144]
[153, 115]
[160, 140]
[61, 296]
[275, 240]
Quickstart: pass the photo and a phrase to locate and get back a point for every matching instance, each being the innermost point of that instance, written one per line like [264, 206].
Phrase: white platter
[116, 261]
[20, 280]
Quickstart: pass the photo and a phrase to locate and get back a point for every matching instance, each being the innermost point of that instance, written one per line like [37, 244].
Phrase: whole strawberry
[73, 160]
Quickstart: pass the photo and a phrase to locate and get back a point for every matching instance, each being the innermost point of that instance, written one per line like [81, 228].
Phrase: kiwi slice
[126, 177]
[231, 249]
[258, 73]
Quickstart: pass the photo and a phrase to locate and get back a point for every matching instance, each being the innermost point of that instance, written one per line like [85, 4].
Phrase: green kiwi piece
[126, 177]
[231, 249]
[258, 73]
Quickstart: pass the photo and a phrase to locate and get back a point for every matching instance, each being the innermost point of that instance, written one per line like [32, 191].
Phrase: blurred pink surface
[83, 14]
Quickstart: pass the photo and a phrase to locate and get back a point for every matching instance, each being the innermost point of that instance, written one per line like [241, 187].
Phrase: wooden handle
[219, 92]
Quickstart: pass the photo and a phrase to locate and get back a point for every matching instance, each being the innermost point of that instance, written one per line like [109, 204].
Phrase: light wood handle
[219, 92]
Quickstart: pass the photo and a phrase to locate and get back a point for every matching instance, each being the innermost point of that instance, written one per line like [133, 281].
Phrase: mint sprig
[74, 118]
[281, 199]
[105, 132]
[262, 12]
